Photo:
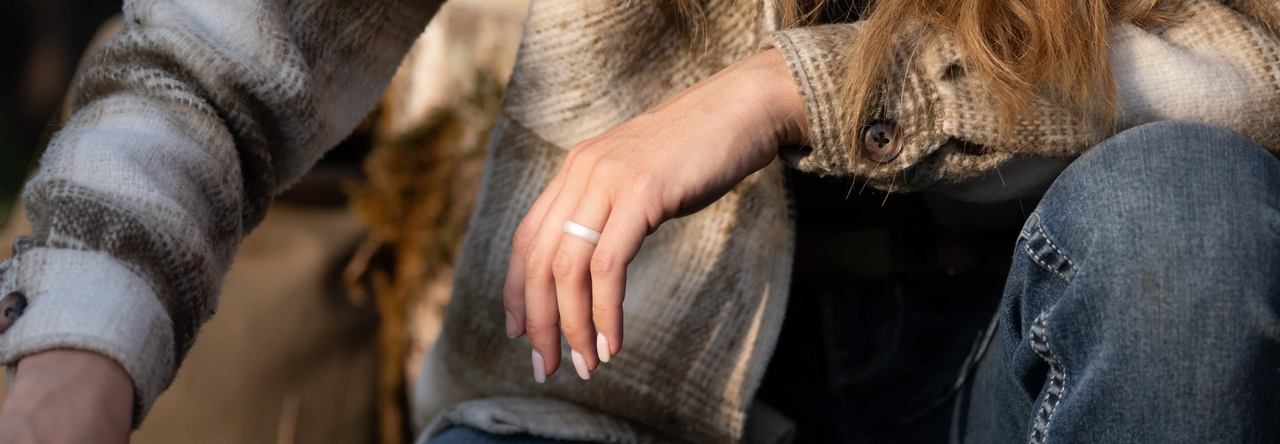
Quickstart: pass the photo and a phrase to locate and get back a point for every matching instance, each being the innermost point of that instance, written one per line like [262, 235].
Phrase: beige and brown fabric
[679, 372]
[189, 120]
[702, 309]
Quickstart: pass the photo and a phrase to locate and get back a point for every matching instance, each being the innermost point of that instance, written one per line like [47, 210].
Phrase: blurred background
[334, 299]
[43, 43]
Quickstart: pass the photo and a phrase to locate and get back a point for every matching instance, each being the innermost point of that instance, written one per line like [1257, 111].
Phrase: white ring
[581, 232]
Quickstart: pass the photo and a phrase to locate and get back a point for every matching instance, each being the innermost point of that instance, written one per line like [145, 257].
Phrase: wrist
[780, 98]
[66, 395]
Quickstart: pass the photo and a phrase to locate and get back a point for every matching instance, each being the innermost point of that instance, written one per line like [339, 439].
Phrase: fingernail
[511, 326]
[581, 365]
[539, 368]
[602, 347]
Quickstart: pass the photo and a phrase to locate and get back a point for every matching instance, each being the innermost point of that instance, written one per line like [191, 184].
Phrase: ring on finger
[581, 232]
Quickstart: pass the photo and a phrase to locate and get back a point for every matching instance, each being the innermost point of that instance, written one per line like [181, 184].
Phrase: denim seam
[1025, 246]
[1054, 387]
[1040, 228]
[1042, 263]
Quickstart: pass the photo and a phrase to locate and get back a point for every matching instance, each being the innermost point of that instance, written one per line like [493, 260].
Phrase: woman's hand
[670, 161]
[68, 396]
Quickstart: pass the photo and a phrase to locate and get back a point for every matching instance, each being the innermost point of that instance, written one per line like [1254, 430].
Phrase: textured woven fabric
[1212, 64]
[566, 89]
[188, 121]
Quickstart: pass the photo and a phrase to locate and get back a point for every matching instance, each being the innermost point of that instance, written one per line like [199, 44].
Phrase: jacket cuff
[813, 56]
[89, 301]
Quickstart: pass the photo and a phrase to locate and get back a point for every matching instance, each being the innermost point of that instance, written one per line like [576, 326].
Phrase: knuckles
[537, 329]
[602, 264]
[578, 334]
[563, 265]
[604, 312]
[534, 263]
[638, 185]
[511, 289]
[605, 168]
[581, 157]
[523, 236]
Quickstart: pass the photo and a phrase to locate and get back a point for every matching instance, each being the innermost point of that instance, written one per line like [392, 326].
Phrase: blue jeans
[1142, 302]
[1141, 305]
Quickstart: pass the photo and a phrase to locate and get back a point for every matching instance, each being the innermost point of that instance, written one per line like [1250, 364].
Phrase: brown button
[11, 307]
[880, 141]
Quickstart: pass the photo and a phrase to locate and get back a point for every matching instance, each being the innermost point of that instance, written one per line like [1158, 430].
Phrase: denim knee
[1148, 294]
[1158, 159]
[1169, 222]
[1165, 184]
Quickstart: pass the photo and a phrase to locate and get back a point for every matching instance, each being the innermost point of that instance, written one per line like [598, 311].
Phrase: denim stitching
[1046, 266]
[1055, 386]
[1042, 240]
[1055, 248]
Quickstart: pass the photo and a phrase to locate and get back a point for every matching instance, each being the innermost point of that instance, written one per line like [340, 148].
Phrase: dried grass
[420, 189]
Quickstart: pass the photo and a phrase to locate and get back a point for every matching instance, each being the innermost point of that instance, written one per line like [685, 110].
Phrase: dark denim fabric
[1142, 302]
[878, 361]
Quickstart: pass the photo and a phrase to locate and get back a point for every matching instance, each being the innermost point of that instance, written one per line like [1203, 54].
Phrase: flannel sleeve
[1212, 64]
[184, 126]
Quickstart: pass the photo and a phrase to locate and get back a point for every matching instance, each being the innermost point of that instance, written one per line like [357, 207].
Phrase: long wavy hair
[1025, 50]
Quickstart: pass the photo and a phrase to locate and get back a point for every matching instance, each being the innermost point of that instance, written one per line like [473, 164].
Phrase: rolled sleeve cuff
[89, 301]
[813, 56]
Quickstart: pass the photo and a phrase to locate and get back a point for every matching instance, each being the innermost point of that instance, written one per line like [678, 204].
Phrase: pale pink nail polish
[511, 326]
[602, 347]
[581, 365]
[539, 368]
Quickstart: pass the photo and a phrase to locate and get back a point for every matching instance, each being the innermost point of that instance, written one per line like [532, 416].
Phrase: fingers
[573, 283]
[620, 240]
[542, 320]
[560, 282]
[513, 289]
